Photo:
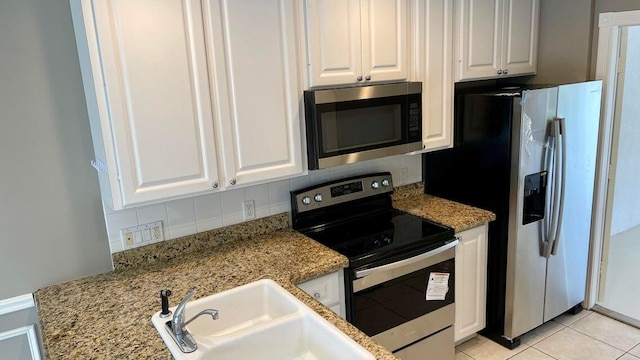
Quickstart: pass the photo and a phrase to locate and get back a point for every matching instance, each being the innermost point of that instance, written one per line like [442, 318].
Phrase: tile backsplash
[206, 212]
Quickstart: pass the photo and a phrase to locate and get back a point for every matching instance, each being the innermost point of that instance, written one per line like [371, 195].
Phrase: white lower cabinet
[329, 290]
[471, 282]
[188, 96]
[19, 335]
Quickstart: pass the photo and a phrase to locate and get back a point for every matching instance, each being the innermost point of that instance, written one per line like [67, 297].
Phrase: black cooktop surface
[381, 236]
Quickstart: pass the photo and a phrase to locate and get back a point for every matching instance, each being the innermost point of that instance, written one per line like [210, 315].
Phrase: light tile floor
[623, 273]
[585, 336]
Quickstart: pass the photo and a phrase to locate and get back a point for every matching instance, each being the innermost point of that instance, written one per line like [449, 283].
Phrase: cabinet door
[18, 329]
[333, 41]
[433, 46]
[471, 282]
[520, 41]
[329, 290]
[253, 48]
[156, 112]
[479, 39]
[385, 28]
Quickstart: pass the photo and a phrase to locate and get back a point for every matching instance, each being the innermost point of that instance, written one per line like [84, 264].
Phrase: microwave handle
[366, 272]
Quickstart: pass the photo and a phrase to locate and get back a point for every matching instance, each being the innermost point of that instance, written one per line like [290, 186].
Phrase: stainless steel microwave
[348, 125]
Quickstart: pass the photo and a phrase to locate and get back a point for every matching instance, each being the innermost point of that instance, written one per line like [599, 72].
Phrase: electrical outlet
[142, 234]
[128, 239]
[156, 233]
[249, 209]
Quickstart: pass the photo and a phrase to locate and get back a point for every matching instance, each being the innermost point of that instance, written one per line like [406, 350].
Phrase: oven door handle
[366, 272]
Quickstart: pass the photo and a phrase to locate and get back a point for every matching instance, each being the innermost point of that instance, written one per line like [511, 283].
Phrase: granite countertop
[108, 316]
[460, 217]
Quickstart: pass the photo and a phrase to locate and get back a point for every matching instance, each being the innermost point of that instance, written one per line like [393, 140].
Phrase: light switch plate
[141, 235]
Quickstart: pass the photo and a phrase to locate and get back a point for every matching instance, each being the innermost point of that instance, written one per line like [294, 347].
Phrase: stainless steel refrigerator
[529, 155]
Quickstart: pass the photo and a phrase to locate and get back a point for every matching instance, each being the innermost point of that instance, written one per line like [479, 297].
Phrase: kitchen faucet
[176, 327]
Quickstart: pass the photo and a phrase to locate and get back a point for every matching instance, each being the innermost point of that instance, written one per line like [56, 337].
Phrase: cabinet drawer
[325, 289]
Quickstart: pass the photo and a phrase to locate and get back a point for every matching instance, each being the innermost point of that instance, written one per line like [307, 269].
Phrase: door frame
[609, 24]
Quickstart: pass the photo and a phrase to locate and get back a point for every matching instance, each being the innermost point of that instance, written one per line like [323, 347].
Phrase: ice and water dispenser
[535, 190]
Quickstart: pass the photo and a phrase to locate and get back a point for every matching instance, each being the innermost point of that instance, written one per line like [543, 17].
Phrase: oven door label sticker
[438, 286]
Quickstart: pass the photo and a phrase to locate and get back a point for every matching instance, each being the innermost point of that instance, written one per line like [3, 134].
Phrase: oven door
[390, 301]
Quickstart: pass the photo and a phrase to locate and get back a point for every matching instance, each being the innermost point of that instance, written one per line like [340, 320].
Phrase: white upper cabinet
[259, 90]
[356, 41]
[496, 38]
[152, 110]
[188, 96]
[520, 36]
[433, 66]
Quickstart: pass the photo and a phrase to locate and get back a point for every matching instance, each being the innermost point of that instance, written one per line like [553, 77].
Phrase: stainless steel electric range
[400, 280]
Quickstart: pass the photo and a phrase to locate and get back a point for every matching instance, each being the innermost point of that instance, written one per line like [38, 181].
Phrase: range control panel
[341, 191]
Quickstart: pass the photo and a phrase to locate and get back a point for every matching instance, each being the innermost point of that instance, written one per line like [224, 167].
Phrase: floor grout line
[589, 339]
[613, 346]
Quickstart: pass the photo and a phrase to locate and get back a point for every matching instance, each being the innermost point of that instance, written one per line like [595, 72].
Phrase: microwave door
[348, 130]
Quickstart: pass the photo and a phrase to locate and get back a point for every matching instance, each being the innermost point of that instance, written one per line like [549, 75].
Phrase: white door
[333, 41]
[479, 38]
[520, 37]
[385, 29]
[433, 46]
[579, 105]
[260, 108]
[620, 270]
[157, 110]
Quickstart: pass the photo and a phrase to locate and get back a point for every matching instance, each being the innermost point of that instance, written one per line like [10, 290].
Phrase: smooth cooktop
[380, 236]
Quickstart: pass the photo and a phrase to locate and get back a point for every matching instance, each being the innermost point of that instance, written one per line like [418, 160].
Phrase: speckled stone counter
[460, 217]
[108, 316]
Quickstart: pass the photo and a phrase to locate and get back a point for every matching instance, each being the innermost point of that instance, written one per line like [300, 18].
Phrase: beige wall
[602, 6]
[52, 227]
[563, 49]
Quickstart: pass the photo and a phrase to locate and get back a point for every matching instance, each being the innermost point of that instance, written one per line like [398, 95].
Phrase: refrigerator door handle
[554, 188]
[553, 201]
[562, 136]
[548, 221]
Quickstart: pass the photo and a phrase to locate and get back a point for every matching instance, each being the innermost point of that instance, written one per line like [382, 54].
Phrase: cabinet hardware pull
[232, 182]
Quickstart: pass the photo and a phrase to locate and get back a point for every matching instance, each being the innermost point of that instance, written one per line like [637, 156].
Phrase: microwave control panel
[415, 119]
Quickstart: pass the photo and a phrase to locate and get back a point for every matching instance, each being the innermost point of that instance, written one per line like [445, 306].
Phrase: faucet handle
[186, 299]
[178, 316]
[164, 298]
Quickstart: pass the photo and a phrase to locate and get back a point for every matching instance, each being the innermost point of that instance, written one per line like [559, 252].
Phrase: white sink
[260, 320]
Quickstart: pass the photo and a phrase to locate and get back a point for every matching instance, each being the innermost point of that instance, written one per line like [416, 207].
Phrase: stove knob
[385, 182]
[386, 239]
[318, 198]
[306, 200]
[376, 243]
[375, 185]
